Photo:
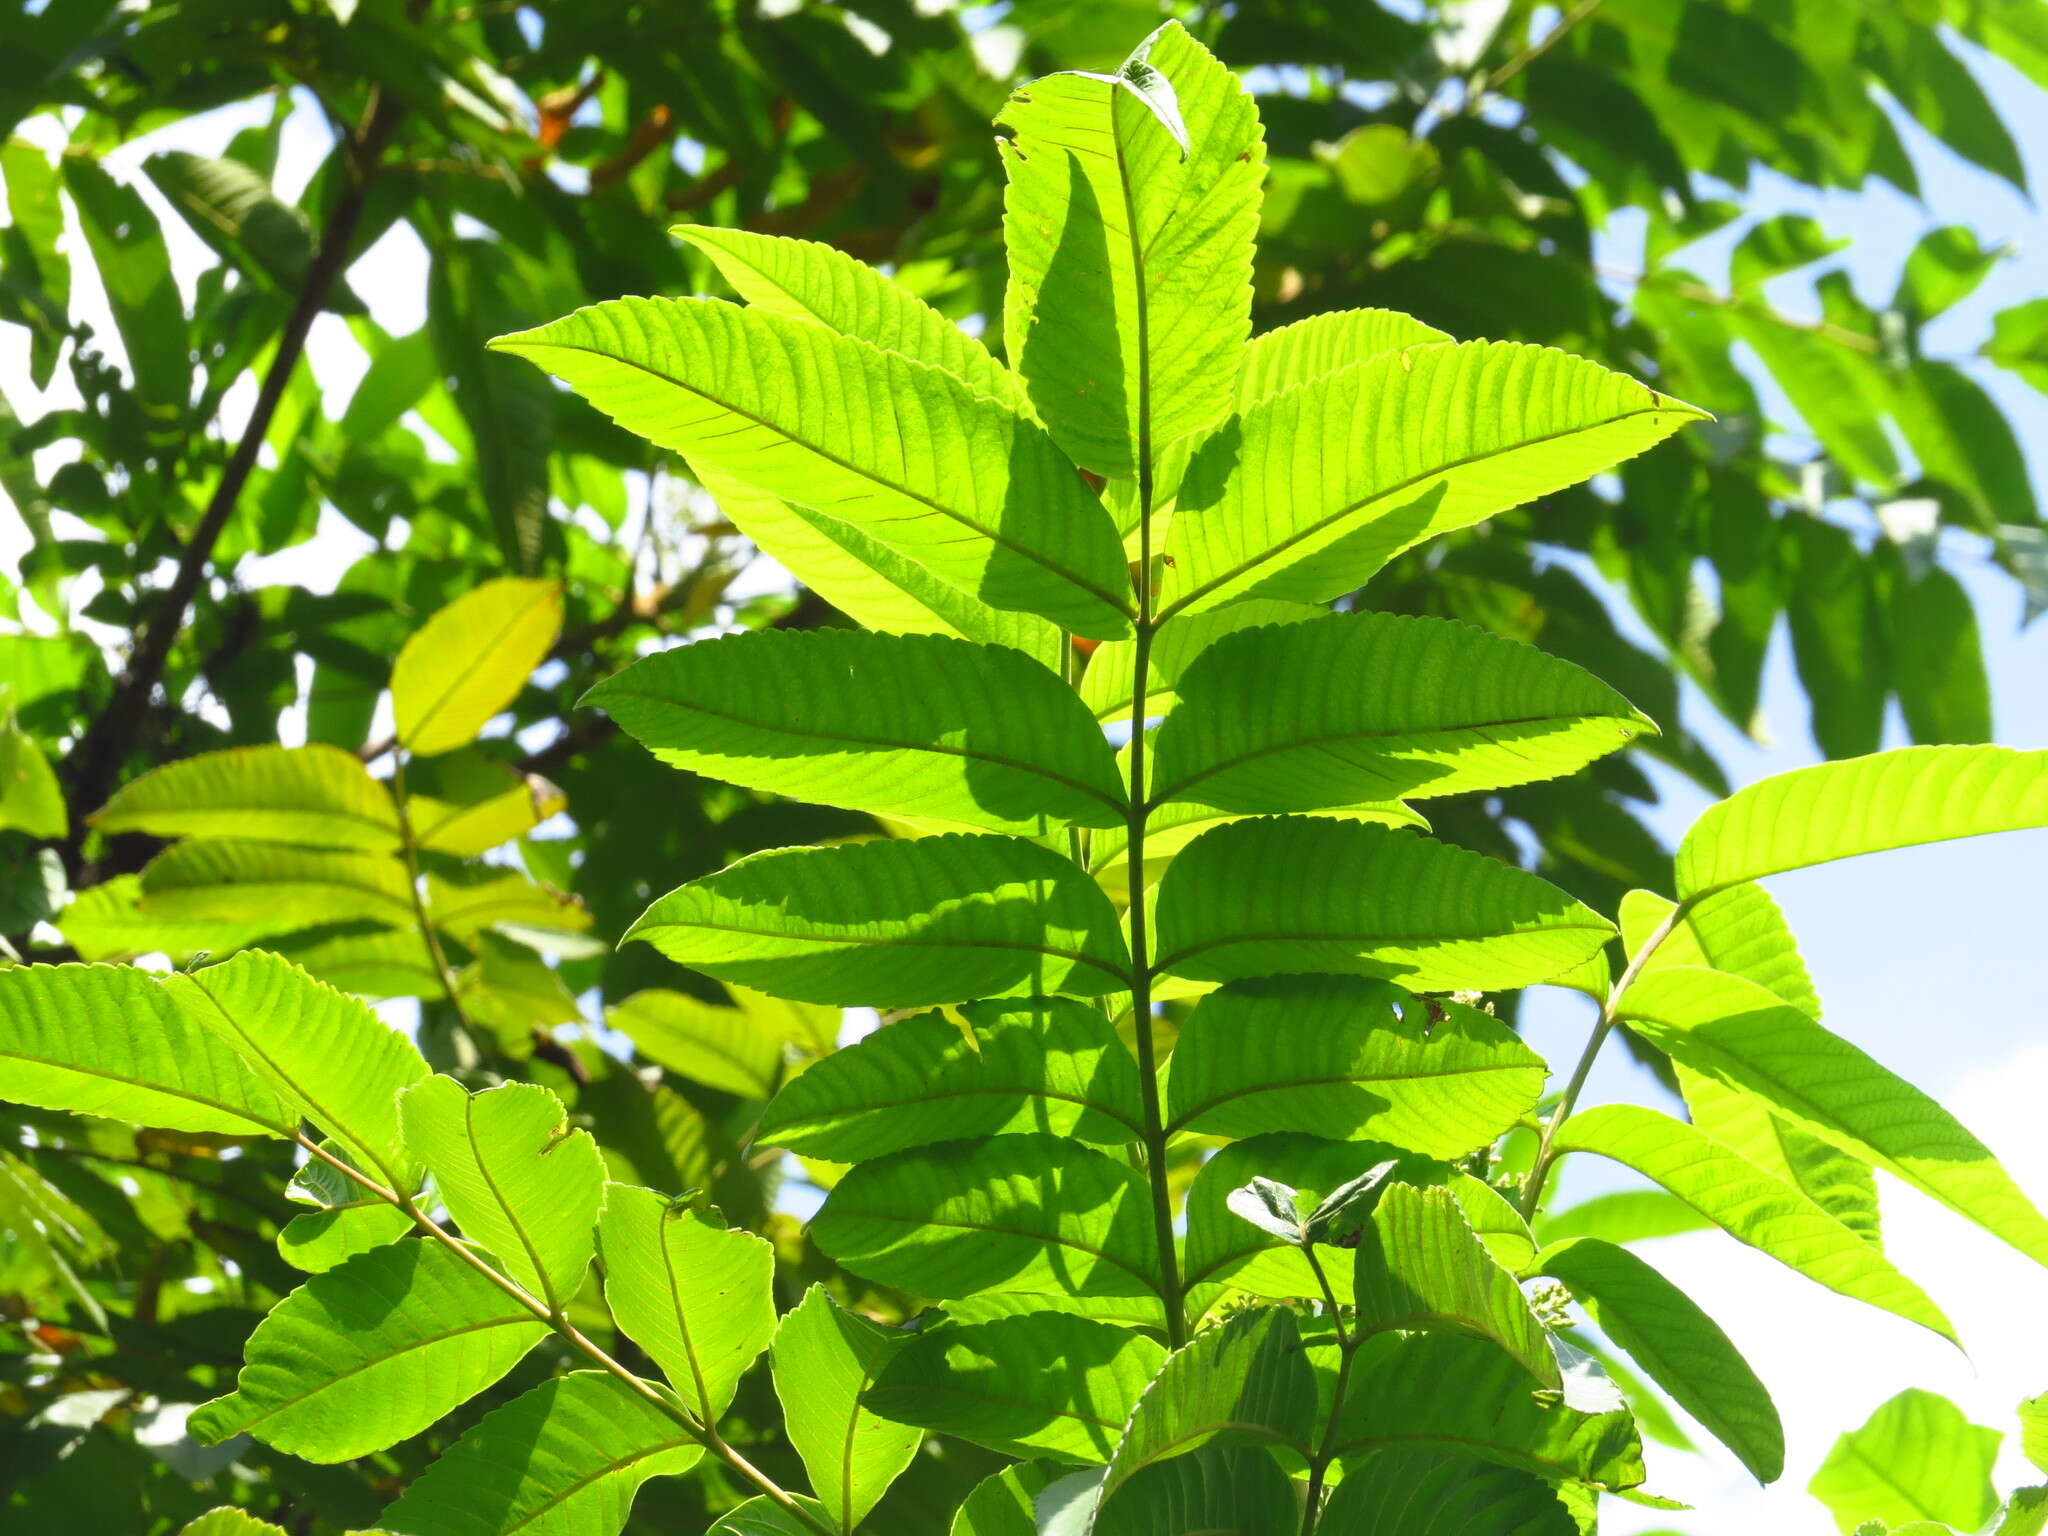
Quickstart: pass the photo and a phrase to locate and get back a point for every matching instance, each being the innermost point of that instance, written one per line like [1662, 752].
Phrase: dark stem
[91, 767]
[1347, 1351]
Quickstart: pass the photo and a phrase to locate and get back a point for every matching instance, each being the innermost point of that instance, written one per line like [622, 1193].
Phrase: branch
[91, 767]
[1537, 49]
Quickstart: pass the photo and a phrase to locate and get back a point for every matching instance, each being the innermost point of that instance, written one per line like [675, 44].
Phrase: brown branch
[91, 767]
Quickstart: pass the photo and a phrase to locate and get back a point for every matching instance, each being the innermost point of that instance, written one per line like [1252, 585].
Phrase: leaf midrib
[1167, 962]
[1281, 1085]
[1044, 562]
[912, 941]
[1060, 1240]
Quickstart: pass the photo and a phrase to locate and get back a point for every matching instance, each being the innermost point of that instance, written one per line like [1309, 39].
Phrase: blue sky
[1931, 959]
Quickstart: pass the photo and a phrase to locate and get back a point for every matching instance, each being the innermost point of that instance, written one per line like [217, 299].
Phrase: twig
[1546, 1154]
[1537, 49]
[91, 767]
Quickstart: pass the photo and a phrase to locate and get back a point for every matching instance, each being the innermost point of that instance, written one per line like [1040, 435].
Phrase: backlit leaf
[1915, 1458]
[1389, 904]
[1451, 709]
[826, 1359]
[1349, 1059]
[370, 1353]
[988, 1382]
[1043, 1064]
[1308, 349]
[316, 795]
[1033, 1214]
[468, 662]
[908, 725]
[896, 924]
[1441, 1493]
[514, 1176]
[957, 483]
[692, 1294]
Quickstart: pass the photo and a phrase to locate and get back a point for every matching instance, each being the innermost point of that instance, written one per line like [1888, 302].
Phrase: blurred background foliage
[252, 249]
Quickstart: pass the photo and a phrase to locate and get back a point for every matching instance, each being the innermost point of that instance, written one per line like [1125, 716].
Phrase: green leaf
[1682, 1349]
[2026, 1513]
[246, 890]
[1349, 1059]
[230, 1522]
[1749, 1204]
[1441, 1493]
[1835, 389]
[1258, 729]
[1043, 1064]
[1033, 1214]
[1420, 1266]
[1837, 1181]
[348, 1219]
[896, 924]
[826, 1359]
[990, 1383]
[231, 207]
[1273, 1208]
[697, 1297]
[764, 1517]
[956, 483]
[1003, 1505]
[316, 795]
[1131, 207]
[1386, 903]
[804, 280]
[1308, 349]
[2034, 1431]
[370, 1353]
[1408, 445]
[1216, 1491]
[1895, 799]
[719, 1046]
[1245, 1381]
[1171, 828]
[327, 1055]
[1915, 1458]
[134, 267]
[872, 583]
[565, 1459]
[1222, 1248]
[514, 1176]
[1438, 1391]
[1621, 1216]
[31, 801]
[108, 1040]
[1739, 1034]
[1838, 639]
[482, 901]
[909, 725]
[1739, 929]
[1937, 657]
[1777, 245]
[468, 662]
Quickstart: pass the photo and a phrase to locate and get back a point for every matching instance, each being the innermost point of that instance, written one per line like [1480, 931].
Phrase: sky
[1930, 959]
